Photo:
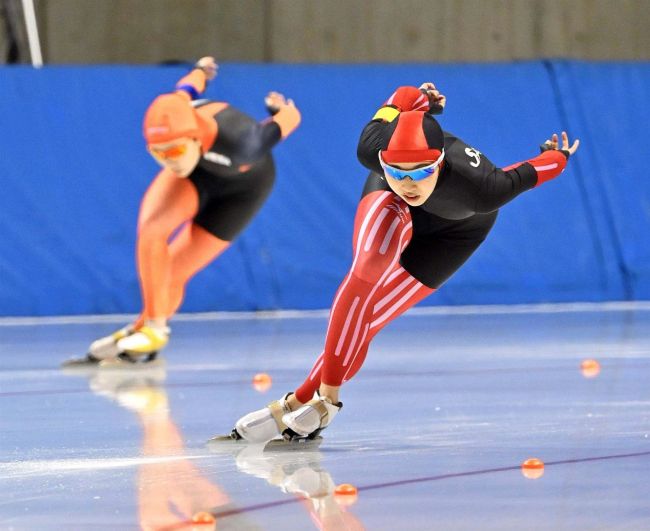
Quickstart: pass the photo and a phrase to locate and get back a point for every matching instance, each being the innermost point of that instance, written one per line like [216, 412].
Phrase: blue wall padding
[610, 108]
[75, 168]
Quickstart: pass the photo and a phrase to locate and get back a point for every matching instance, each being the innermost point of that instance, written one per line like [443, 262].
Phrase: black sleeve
[370, 144]
[243, 139]
[258, 141]
[498, 186]
[493, 187]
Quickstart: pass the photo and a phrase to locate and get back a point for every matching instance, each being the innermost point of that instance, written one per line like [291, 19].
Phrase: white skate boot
[310, 419]
[263, 425]
[101, 349]
[106, 347]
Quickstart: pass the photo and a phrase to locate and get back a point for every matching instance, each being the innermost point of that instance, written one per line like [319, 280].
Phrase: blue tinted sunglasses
[416, 174]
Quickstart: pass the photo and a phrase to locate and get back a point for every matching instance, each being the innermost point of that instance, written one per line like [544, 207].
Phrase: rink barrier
[75, 169]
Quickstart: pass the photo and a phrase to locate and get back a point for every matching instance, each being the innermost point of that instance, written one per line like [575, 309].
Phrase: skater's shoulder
[463, 159]
[453, 143]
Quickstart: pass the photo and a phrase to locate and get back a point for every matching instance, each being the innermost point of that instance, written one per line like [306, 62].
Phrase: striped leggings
[375, 291]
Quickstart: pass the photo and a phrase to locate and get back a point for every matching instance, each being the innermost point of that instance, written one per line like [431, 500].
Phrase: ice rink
[433, 431]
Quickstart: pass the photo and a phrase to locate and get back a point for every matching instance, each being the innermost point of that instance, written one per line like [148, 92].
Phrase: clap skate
[267, 426]
[309, 420]
[260, 426]
[125, 348]
[100, 349]
[139, 349]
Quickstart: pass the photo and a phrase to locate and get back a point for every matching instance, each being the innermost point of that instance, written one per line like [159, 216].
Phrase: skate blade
[124, 362]
[217, 439]
[80, 366]
[223, 441]
[295, 445]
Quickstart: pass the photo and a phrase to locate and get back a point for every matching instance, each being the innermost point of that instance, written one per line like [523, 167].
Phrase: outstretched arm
[193, 84]
[259, 139]
[283, 112]
[552, 161]
[503, 184]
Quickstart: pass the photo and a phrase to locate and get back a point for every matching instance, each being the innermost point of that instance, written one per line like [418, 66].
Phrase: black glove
[434, 107]
[547, 147]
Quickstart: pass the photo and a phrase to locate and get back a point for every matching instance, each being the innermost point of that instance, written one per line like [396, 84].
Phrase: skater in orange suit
[217, 171]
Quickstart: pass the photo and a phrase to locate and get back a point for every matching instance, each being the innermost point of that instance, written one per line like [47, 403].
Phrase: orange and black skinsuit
[209, 208]
[403, 253]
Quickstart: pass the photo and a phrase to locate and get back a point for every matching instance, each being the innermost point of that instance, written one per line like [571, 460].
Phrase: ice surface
[433, 432]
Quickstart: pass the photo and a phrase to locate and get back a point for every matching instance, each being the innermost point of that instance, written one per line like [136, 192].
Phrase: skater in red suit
[217, 171]
[427, 205]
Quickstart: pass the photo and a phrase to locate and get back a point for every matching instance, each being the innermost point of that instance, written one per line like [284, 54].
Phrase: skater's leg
[425, 264]
[169, 202]
[382, 230]
[219, 210]
[400, 292]
[190, 251]
[227, 206]
[396, 296]
[306, 391]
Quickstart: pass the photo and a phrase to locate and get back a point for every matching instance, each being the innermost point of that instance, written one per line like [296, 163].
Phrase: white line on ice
[44, 467]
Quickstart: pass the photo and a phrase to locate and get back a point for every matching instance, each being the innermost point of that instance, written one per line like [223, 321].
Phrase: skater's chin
[413, 199]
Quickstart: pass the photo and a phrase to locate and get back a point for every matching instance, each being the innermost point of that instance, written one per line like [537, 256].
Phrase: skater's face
[415, 193]
[180, 155]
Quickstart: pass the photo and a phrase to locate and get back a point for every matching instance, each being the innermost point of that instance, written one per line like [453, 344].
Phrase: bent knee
[372, 267]
[155, 228]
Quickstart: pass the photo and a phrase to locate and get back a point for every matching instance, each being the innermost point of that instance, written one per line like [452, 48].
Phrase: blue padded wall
[74, 170]
[608, 105]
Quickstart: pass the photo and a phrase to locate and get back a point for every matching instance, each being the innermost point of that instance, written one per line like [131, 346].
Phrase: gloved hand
[437, 101]
[274, 101]
[283, 111]
[553, 143]
[426, 98]
[209, 67]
